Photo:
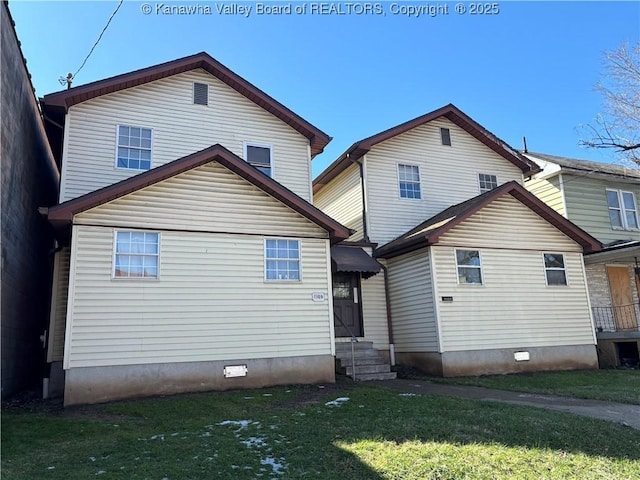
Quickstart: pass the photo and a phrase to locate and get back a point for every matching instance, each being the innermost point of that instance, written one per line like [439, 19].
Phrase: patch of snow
[157, 437]
[93, 459]
[206, 434]
[175, 434]
[256, 442]
[267, 395]
[337, 402]
[101, 472]
[51, 468]
[407, 394]
[276, 467]
[235, 467]
[116, 425]
[247, 398]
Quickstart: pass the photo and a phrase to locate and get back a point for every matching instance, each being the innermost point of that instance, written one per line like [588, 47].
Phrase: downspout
[365, 230]
[387, 301]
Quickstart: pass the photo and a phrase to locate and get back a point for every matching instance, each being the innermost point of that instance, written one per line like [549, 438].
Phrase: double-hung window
[487, 182]
[282, 260]
[623, 213]
[555, 269]
[259, 155]
[136, 255]
[134, 148]
[409, 181]
[469, 267]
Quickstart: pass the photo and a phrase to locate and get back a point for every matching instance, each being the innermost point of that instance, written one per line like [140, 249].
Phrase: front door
[346, 304]
[622, 298]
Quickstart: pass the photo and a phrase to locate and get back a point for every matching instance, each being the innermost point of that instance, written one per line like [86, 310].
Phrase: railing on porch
[354, 340]
[623, 318]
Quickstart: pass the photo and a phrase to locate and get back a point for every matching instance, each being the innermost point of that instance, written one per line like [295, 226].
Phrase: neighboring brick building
[29, 180]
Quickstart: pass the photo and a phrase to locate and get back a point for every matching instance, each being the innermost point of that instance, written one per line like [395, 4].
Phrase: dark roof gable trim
[62, 214]
[453, 114]
[429, 232]
[67, 98]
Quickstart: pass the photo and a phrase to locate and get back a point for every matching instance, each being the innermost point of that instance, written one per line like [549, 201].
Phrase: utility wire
[98, 40]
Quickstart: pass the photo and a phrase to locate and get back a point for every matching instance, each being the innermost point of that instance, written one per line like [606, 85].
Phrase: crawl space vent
[201, 94]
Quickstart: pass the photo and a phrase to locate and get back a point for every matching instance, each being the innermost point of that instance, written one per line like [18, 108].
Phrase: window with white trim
[136, 255]
[259, 155]
[555, 269]
[282, 259]
[487, 182]
[409, 181]
[623, 213]
[445, 136]
[134, 148]
[469, 267]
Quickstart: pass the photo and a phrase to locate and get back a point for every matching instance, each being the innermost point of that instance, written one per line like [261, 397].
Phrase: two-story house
[602, 198]
[191, 257]
[479, 275]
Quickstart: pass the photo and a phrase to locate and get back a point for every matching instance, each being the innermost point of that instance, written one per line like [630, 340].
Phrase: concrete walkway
[625, 414]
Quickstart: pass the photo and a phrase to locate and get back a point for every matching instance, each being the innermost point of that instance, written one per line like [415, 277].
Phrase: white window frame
[623, 210]
[555, 269]
[246, 144]
[139, 148]
[479, 267]
[419, 182]
[113, 257]
[299, 260]
[484, 190]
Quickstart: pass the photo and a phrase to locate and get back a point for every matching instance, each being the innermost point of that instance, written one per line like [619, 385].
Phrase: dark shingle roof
[588, 166]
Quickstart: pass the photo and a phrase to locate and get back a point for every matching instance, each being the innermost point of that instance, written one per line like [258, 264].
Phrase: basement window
[445, 135]
[555, 269]
[200, 94]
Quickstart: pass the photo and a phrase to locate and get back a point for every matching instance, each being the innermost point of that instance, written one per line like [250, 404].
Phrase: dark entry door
[346, 304]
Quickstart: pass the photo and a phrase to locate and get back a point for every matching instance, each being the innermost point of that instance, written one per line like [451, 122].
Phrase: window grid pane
[282, 260]
[555, 269]
[469, 267]
[487, 182]
[409, 181]
[622, 209]
[134, 148]
[136, 255]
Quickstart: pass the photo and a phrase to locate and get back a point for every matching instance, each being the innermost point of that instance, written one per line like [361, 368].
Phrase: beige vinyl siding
[448, 174]
[374, 312]
[211, 302]
[514, 307]
[342, 200]
[179, 128]
[506, 223]
[587, 206]
[412, 307]
[208, 198]
[57, 321]
[548, 190]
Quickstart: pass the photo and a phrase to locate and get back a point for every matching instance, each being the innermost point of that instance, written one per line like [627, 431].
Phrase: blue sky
[528, 70]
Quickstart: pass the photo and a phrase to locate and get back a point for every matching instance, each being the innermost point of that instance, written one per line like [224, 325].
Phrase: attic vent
[201, 94]
[446, 136]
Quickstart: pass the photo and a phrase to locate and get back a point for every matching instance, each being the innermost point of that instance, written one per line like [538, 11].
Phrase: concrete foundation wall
[607, 351]
[500, 361]
[104, 384]
[29, 180]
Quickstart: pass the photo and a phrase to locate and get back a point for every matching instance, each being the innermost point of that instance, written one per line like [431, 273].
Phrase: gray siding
[29, 180]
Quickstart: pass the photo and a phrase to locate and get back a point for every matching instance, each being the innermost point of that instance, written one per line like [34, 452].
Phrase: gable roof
[450, 112]
[430, 231]
[62, 214]
[586, 166]
[55, 105]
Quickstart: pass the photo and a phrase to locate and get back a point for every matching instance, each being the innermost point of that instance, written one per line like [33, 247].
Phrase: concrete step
[346, 346]
[366, 369]
[373, 360]
[358, 354]
[375, 376]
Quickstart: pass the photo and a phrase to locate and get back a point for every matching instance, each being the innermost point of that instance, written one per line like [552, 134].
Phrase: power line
[71, 77]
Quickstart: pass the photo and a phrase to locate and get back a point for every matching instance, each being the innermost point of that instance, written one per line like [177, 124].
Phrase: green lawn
[290, 433]
[608, 385]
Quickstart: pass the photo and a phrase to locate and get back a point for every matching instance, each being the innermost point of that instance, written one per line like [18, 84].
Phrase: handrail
[353, 340]
[617, 318]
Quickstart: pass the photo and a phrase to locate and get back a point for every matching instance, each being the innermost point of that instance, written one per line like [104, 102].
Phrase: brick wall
[28, 180]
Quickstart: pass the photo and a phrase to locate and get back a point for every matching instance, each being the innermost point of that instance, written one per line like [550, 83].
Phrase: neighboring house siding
[29, 180]
[59, 295]
[587, 206]
[412, 308]
[342, 200]
[374, 311]
[549, 191]
[179, 128]
[207, 198]
[448, 174]
[514, 307]
[210, 303]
